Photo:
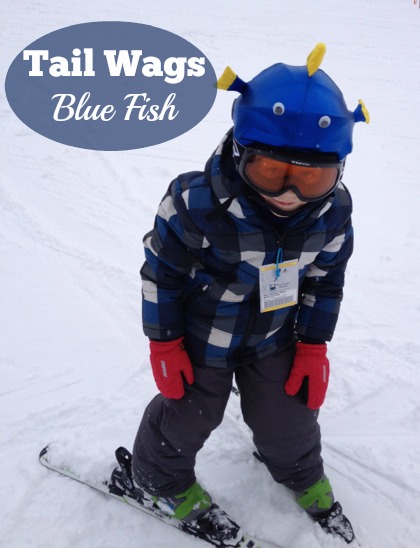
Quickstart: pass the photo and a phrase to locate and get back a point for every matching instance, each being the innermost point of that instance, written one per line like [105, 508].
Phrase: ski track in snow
[74, 367]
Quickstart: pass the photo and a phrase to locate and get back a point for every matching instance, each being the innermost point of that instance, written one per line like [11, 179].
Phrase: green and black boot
[318, 501]
[193, 509]
[200, 516]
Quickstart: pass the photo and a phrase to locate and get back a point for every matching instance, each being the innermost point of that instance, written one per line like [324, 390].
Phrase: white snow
[73, 358]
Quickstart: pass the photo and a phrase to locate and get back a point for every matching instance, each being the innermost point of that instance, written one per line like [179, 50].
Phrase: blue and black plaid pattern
[201, 275]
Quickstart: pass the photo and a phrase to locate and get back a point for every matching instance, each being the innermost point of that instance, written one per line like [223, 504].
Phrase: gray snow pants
[285, 432]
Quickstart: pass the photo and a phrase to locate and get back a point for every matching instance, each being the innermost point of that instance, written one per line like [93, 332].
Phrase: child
[243, 279]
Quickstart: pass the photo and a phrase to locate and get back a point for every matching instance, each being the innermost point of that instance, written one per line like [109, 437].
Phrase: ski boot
[194, 509]
[318, 502]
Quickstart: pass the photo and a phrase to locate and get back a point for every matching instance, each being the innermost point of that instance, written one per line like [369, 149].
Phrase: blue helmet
[294, 108]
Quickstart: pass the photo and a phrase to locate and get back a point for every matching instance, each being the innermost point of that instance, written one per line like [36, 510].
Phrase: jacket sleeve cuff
[310, 340]
[159, 334]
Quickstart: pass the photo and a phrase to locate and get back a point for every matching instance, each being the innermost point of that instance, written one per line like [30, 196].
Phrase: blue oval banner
[111, 85]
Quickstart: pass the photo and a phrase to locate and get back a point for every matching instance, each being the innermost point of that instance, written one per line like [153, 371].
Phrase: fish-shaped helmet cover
[294, 107]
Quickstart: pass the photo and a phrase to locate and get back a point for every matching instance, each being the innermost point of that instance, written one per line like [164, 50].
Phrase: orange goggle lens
[273, 176]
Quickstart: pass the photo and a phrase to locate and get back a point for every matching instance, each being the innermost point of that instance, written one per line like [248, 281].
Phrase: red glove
[310, 361]
[170, 364]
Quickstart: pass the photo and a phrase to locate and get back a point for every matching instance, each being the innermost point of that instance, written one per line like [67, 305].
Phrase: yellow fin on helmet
[230, 81]
[361, 114]
[315, 58]
[226, 79]
[365, 111]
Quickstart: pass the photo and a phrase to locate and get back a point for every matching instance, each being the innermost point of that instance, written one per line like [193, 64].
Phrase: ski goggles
[273, 174]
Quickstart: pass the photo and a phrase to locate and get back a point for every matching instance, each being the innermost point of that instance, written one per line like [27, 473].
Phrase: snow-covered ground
[73, 360]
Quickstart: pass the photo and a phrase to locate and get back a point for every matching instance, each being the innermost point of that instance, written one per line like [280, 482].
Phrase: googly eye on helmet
[292, 128]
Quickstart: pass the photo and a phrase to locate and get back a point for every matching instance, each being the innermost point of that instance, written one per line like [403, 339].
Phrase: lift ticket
[279, 285]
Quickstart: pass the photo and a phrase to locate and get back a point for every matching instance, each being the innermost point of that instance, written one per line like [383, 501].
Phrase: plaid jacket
[201, 275]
